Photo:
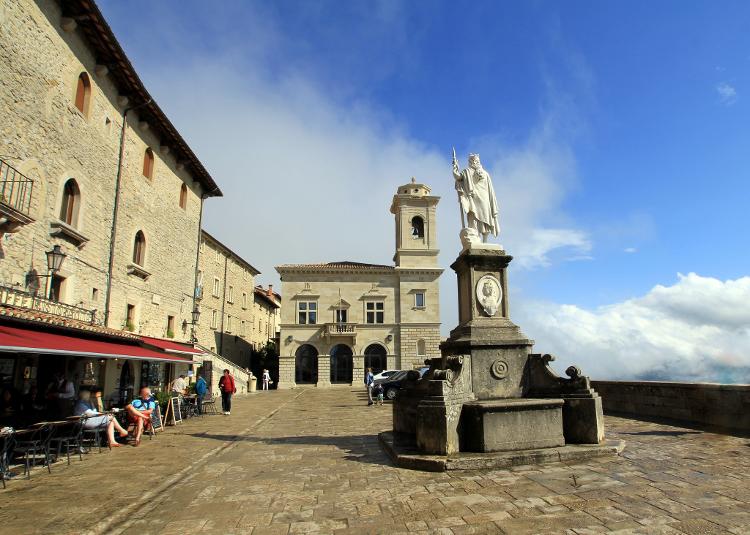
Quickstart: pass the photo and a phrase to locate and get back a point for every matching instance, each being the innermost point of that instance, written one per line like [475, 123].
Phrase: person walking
[200, 392]
[226, 385]
[369, 380]
[266, 379]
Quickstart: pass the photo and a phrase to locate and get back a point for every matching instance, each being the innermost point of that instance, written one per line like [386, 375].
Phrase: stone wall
[726, 406]
[47, 138]
[226, 284]
[410, 337]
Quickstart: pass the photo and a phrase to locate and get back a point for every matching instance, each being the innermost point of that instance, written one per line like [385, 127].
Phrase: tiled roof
[344, 265]
[107, 51]
[51, 320]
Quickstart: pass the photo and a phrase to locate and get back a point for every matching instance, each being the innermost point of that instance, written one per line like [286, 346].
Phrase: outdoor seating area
[39, 446]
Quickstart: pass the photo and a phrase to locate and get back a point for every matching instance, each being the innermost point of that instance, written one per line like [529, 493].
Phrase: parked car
[384, 374]
[392, 383]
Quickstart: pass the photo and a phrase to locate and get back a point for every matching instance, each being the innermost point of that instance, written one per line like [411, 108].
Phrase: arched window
[139, 248]
[71, 201]
[417, 227]
[421, 348]
[148, 163]
[83, 93]
[183, 197]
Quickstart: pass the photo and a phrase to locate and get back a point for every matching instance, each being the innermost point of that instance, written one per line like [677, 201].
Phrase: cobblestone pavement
[309, 462]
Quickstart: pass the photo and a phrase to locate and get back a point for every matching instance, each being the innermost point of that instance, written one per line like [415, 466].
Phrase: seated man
[140, 411]
[179, 386]
[95, 419]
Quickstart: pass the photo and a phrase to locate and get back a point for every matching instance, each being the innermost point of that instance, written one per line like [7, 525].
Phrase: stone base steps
[405, 457]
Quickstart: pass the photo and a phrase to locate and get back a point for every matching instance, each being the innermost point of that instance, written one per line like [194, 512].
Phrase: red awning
[18, 340]
[171, 347]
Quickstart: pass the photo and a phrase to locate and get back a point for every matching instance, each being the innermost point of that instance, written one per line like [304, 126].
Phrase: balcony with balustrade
[16, 190]
[340, 330]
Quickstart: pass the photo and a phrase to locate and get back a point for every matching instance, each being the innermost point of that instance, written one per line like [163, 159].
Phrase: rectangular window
[229, 324]
[218, 256]
[244, 300]
[230, 294]
[419, 300]
[217, 284]
[374, 312]
[307, 313]
[341, 315]
[94, 294]
[170, 326]
[214, 320]
[130, 318]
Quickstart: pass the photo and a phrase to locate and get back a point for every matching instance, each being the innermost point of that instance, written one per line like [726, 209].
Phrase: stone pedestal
[489, 394]
[512, 424]
[499, 350]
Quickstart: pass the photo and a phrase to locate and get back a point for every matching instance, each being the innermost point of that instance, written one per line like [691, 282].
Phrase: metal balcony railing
[20, 299]
[15, 188]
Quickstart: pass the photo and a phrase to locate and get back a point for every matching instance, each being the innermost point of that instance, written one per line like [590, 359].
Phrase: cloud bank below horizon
[697, 329]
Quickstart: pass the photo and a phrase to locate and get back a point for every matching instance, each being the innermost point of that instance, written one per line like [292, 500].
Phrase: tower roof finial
[413, 180]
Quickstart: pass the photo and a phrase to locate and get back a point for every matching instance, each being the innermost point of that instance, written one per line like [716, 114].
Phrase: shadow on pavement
[662, 433]
[360, 448]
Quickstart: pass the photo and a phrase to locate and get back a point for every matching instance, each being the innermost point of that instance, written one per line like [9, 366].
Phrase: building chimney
[270, 290]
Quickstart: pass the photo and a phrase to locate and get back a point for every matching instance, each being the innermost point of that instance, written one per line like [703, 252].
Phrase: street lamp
[195, 316]
[55, 259]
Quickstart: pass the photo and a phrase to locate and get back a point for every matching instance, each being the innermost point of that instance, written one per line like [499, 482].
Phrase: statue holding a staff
[477, 199]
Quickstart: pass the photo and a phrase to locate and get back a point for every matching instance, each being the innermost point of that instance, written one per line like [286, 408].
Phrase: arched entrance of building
[375, 358]
[341, 364]
[306, 365]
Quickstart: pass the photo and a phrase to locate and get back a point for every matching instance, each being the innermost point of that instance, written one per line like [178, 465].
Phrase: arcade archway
[306, 365]
[341, 364]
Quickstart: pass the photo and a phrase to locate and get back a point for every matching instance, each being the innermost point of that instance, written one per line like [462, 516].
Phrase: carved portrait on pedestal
[489, 294]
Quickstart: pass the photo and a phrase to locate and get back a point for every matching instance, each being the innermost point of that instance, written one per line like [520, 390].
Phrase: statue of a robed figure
[477, 199]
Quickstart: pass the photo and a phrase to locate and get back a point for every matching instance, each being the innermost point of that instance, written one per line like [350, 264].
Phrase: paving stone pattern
[308, 461]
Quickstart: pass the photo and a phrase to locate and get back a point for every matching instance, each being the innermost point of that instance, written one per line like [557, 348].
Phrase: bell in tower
[416, 232]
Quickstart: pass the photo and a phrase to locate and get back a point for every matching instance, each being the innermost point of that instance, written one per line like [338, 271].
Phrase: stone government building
[339, 318]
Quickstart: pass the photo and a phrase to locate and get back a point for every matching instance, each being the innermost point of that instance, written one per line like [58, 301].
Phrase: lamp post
[195, 316]
[55, 259]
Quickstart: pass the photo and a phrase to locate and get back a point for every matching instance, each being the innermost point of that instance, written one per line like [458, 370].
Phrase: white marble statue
[477, 198]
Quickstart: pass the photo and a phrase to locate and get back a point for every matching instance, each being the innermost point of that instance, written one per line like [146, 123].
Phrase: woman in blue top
[95, 419]
[200, 391]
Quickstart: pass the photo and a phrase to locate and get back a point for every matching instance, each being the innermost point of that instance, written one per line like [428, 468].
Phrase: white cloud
[696, 329]
[727, 93]
[630, 250]
[307, 178]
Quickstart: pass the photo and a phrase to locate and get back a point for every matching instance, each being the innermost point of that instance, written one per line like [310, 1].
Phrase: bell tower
[416, 231]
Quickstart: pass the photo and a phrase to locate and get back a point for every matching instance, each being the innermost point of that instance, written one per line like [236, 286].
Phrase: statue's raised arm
[477, 200]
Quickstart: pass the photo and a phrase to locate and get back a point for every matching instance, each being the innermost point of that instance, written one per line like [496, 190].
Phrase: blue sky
[616, 134]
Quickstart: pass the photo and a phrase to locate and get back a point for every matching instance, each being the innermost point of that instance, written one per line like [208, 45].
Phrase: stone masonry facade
[47, 138]
[225, 289]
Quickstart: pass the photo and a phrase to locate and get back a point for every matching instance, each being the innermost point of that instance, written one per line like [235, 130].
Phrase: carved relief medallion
[489, 294]
[499, 369]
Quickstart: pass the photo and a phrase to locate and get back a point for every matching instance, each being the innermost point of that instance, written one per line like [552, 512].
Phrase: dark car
[392, 384]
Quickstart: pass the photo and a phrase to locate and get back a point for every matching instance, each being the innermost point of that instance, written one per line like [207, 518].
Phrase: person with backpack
[226, 385]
